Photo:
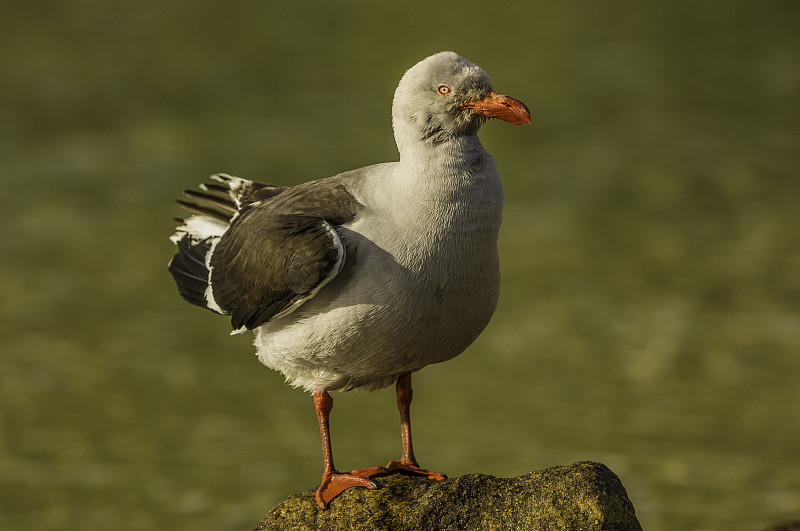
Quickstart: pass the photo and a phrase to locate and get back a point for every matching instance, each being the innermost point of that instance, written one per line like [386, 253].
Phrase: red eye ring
[444, 90]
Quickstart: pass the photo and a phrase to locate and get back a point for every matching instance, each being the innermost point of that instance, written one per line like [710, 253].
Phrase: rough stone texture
[584, 496]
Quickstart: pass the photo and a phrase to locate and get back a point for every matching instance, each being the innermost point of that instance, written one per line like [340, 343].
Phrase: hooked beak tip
[502, 107]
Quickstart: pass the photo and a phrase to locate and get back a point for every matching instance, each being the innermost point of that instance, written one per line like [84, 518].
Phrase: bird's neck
[449, 199]
[455, 157]
[452, 178]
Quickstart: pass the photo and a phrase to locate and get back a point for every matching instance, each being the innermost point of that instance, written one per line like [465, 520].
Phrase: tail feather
[188, 268]
[224, 203]
[220, 190]
[245, 192]
[204, 210]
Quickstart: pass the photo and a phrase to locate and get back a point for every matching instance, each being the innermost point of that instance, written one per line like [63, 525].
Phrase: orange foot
[335, 483]
[413, 468]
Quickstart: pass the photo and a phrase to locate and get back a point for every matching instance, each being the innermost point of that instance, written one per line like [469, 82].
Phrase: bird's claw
[335, 483]
[414, 469]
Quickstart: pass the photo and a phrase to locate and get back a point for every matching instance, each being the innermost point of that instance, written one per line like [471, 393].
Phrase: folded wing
[255, 251]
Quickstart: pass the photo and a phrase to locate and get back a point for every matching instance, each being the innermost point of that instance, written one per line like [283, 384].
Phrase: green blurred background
[650, 314]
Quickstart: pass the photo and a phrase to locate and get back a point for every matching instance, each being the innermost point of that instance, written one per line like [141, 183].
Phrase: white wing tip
[200, 227]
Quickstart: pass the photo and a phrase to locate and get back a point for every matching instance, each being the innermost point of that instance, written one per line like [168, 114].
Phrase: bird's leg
[334, 482]
[407, 460]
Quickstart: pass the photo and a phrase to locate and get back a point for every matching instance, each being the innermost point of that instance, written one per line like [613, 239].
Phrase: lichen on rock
[582, 496]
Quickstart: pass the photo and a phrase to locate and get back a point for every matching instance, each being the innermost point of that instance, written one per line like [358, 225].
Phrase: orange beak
[505, 108]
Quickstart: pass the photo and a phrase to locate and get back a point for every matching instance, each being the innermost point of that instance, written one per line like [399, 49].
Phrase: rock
[794, 525]
[584, 495]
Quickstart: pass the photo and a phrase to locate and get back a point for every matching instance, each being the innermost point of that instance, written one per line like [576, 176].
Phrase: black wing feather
[245, 192]
[189, 270]
[278, 250]
[204, 210]
[223, 202]
[266, 262]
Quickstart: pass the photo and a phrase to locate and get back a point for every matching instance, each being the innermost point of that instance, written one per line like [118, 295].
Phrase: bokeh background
[650, 314]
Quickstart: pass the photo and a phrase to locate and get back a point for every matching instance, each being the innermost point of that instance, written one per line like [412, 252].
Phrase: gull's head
[446, 96]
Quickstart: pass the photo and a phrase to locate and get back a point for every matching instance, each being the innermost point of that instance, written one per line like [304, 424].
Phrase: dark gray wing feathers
[280, 248]
[268, 261]
[189, 269]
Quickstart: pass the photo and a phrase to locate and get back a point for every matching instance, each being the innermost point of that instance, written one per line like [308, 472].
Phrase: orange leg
[334, 482]
[407, 460]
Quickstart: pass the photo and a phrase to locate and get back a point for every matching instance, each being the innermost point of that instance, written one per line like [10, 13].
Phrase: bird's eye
[444, 90]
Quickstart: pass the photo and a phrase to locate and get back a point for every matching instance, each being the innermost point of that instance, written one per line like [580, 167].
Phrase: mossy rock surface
[581, 496]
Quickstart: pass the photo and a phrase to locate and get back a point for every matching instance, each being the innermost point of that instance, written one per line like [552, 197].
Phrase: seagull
[356, 281]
